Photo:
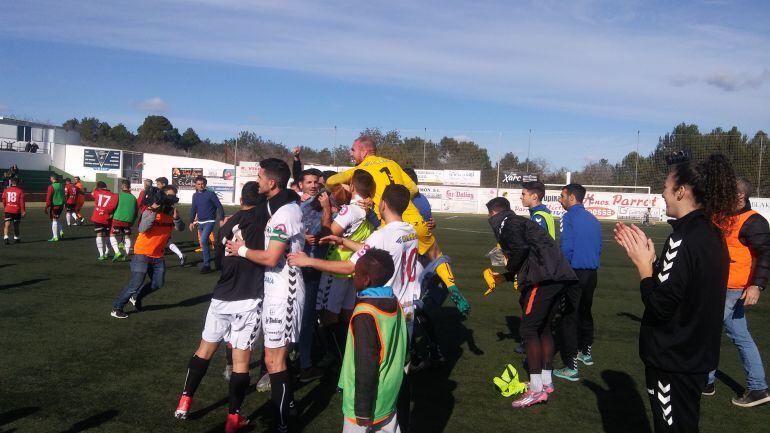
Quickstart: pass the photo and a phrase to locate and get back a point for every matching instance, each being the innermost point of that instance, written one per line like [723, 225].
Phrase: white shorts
[241, 330]
[281, 319]
[335, 294]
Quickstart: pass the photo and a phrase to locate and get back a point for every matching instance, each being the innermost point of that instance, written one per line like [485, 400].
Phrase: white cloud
[152, 105]
[593, 57]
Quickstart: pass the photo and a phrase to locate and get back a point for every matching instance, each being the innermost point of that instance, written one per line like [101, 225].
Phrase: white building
[18, 138]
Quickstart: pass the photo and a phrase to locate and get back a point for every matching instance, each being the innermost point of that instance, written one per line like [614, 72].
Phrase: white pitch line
[465, 230]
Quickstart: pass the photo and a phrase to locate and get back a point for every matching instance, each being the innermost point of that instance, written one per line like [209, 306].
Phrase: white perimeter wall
[25, 160]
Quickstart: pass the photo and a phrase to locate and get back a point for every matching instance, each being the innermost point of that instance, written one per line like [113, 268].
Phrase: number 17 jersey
[400, 240]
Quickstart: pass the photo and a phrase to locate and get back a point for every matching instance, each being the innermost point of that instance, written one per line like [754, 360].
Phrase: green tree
[121, 135]
[158, 129]
[189, 139]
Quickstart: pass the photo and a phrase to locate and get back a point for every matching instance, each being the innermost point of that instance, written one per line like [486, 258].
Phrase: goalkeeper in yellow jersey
[385, 172]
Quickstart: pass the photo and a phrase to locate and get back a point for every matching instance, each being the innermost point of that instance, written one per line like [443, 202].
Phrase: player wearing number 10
[387, 172]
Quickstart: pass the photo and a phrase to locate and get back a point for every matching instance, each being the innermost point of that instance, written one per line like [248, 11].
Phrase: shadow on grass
[512, 323]
[7, 265]
[92, 421]
[730, 382]
[22, 283]
[186, 303]
[620, 403]
[631, 316]
[17, 414]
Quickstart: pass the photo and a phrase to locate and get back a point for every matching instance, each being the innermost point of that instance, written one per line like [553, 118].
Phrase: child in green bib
[376, 349]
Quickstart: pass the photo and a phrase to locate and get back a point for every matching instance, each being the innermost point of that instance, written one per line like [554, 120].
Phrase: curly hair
[714, 186]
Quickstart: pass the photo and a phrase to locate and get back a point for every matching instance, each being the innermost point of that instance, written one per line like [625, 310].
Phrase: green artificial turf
[67, 366]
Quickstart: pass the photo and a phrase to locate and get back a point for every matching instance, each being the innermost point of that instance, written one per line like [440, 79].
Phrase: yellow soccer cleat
[490, 280]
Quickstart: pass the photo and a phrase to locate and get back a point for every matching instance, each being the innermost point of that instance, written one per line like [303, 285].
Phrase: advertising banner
[184, 178]
[462, 177]
[430, 176]
[246, 171]
[101, 160]
[513, 178]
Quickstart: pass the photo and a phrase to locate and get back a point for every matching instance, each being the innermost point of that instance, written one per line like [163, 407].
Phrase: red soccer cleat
[184, 406]
[235, 422]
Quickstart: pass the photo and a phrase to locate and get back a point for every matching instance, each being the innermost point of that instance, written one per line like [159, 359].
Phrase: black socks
[196, 369]
[239, 383]
[283, 398]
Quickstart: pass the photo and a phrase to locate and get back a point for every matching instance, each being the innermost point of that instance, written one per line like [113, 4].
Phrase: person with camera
[158, 220]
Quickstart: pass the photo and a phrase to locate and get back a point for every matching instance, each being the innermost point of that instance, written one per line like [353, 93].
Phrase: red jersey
[105, 203]
[13, 200]
[70, 193]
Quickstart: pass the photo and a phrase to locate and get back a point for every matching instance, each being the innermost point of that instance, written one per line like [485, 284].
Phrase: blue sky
[583, 75]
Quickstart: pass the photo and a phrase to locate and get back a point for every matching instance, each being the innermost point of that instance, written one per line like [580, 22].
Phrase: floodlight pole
[334, 147]
[235, 169]
[529, 147]
[424, 143]
[759, 169]
[499, 159]
[636, 164]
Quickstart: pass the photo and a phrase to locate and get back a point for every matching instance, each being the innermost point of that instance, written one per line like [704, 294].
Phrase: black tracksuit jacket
[684, 300]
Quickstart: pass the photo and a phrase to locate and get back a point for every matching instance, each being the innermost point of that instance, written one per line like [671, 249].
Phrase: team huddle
[367, 253]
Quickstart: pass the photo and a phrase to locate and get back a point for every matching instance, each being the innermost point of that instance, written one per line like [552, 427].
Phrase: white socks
[546, 376]
[174, 249]
[69, 218]
[536, 382]
[55, 228]
[127, 243]
[114, 243]
[100, 246]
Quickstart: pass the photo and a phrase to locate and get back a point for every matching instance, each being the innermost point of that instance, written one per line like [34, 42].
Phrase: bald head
[362, 147]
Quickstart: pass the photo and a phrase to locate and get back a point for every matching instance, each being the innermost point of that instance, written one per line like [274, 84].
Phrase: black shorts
[125, 231]
[55, 211]
[12, 217]
[102, 228]
[539, 304]
[71, 207]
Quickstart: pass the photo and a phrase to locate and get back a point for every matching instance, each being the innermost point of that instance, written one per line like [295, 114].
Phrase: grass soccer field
[67, 366]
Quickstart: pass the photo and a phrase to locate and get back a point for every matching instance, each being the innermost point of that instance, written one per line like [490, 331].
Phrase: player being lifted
[397, 237]
[14, 209]
[336, 294]
[105, 203]
[387, 172]
[122, 220]
[284, 286]
[54, 204]
[236, 307]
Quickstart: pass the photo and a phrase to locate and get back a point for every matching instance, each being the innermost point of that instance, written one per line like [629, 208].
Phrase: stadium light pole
[499, 159]
[759, 169]
[424, 142]
[334, 147]
[636, 163]
[235, 167]
[529, 147]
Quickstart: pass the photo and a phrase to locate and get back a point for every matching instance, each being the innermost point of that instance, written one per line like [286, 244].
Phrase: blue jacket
[581, 238]
[423, 205]
[542, 222]
[206, 206]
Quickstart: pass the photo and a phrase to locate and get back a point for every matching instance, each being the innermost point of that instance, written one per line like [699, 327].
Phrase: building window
[23, 133]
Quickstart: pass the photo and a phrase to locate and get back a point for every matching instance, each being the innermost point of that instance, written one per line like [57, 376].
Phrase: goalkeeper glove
[460, 302]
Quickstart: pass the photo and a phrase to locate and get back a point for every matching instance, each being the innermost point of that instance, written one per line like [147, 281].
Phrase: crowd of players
[350, 259]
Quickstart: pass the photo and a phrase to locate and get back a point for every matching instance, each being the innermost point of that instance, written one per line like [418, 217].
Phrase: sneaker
[16, 240]
[101, 258]
[264, 383]
[206, 270]
[119, 314]
[568, 374]
[308, 375]
[7, 242]
[711, 389]
[136, 302]
[54, 239]
[752, 398]
[585, 357]
[183, 407]
[228, 372]
[235, 422]
[118, 256]
[181, 260]
[530, 398]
